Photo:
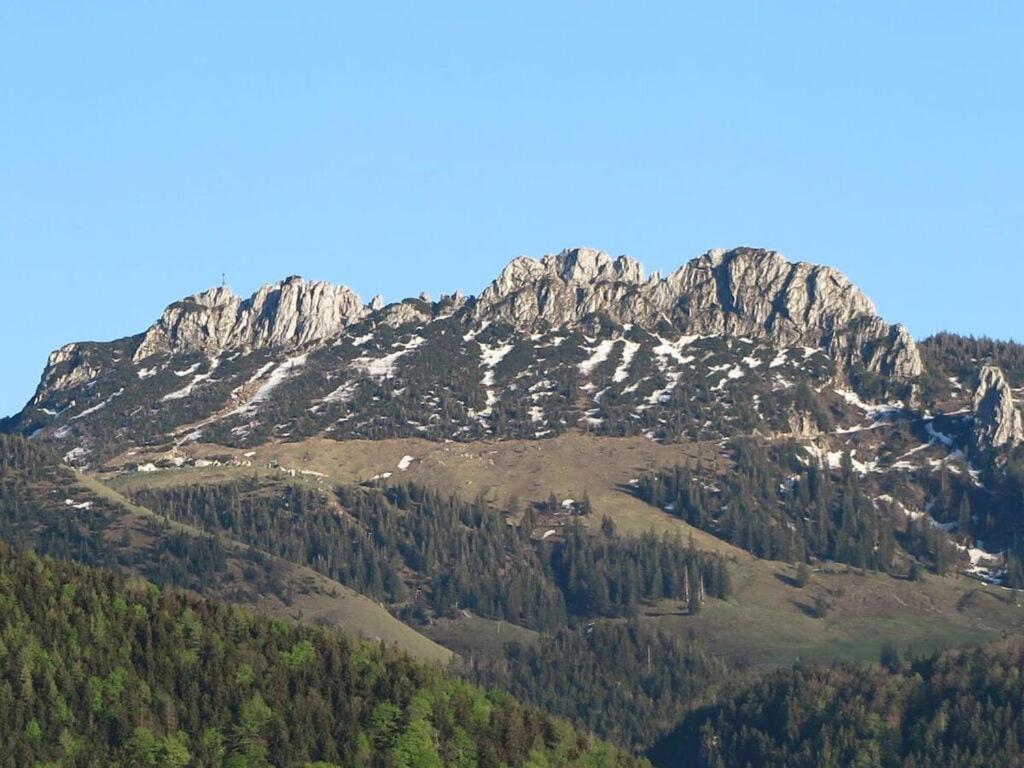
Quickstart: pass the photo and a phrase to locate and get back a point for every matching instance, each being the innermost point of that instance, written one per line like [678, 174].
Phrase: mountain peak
[742, 292]
[291, 312]
[588, 265]
[747, 293]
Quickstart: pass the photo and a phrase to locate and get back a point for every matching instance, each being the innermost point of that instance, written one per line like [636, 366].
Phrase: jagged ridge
[721, 345]
[742, 292]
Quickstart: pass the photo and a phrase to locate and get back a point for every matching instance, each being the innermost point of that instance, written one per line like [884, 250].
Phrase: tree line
[431, 554]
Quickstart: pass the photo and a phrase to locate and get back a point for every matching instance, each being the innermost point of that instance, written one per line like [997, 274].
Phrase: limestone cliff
[742, 292]
[997, 422]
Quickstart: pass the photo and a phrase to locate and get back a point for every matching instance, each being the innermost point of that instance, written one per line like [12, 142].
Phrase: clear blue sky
[147, 147]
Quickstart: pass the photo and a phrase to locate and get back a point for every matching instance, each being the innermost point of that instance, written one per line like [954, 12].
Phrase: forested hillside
[779, 503]
[96, 671]
[430, 554]
[959, 709]
[951, 354]
[425, 555]
[620, 679]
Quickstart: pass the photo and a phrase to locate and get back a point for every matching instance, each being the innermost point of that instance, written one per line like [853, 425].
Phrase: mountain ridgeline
[577, 339]
[733, 345]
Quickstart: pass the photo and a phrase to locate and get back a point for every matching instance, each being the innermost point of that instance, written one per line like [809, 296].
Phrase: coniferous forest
[97, 671]
[779, 506]
[955, 709]
[432, 554]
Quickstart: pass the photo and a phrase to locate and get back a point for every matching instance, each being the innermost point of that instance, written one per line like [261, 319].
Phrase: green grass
[768, 624]
[479, 636]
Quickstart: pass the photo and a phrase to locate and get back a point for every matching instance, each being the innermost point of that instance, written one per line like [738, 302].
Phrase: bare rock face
[742, 292]
[997, 422]
[66, 367]
[565, 288]
[401, 313]
[290, 313]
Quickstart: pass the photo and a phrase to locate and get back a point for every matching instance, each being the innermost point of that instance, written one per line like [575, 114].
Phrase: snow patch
[383, 367]
[342, 394]
[187, 389]
[489, 358]
[629, 349]
[98, 406]
[277, 376]
[598, 355]
[188, 371]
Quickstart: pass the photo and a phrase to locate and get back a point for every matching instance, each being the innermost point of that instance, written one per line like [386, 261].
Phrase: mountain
[618, 497]
[552, 343]
[733, 343]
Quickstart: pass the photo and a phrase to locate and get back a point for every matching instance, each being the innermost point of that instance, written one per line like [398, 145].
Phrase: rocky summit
[742, 292]
[290, 313]
[733, 342]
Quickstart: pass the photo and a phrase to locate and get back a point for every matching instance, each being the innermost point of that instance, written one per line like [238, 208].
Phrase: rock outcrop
[742, 292]
[67, 367]
[290, 313]
[997, 422]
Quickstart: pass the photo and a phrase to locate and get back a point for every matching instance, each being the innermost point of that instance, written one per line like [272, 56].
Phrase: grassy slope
[330, 602]
[766, 623]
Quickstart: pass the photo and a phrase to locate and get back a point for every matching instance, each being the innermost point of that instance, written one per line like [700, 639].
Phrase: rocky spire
[997, 422]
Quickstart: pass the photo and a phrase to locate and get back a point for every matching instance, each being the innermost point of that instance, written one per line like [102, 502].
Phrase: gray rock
[997, 422]
[742, 292]
[402, 313]
[290, 313]
[66, 368]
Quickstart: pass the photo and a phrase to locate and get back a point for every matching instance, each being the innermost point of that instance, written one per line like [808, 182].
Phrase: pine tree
[803, 574]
